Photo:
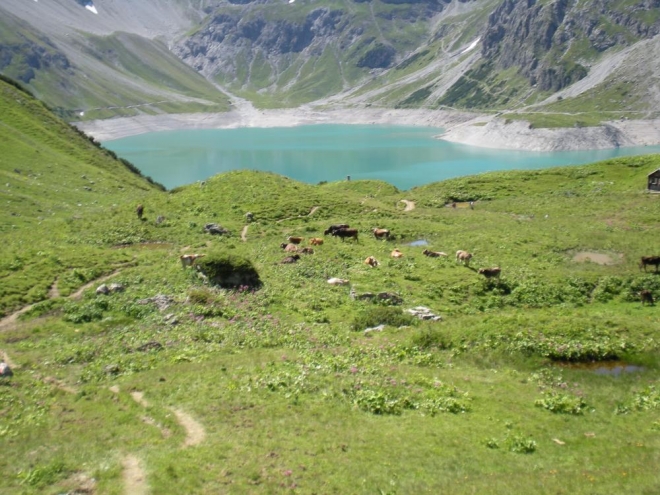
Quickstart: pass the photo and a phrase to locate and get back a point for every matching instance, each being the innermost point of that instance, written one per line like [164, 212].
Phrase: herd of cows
[344, 231]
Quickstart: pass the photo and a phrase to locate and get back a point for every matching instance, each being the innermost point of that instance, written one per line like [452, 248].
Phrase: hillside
[167, 383]
[556, 63]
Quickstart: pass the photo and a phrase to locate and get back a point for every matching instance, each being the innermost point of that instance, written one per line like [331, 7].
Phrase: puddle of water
[420, 242]
[608, 368]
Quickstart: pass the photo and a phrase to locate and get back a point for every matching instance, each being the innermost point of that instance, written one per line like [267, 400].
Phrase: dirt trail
[135, 479]
[195, 432]
[78, 294]
[313, 210]
[53, 292]
[244, 233]
[139, 398]
[410, 205]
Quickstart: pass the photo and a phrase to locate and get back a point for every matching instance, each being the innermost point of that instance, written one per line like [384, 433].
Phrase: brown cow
[371, 261]
[295, 240]
[307, 250]
[433, 254]
[291, 259]
[490, 272]
[647, 297]
[316, 241]
[140, 211]
[344, 233]
[189, 259]
[463, 257]
[649, 260]
[381, 233]
[396, 254]
[289, 248]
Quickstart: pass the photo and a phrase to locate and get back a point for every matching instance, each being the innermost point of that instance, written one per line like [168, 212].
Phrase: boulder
[5, 370]
[215, 229]
[103, 289]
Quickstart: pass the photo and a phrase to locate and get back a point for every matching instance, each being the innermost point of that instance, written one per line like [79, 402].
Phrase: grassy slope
[285, 390]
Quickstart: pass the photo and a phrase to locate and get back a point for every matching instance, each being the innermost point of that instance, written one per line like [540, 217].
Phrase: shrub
[228, 270]
[425, 338]
[562, 404]
[382, 315]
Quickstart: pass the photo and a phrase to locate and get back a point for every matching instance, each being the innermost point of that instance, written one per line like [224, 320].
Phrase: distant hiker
[453, 205]
[139, 210]
[472, 205]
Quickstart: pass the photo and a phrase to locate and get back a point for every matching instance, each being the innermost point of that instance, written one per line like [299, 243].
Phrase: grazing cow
[433, 254]
[295, 240]
[289, 248]
[371, 261]
[381, 233]
[332, 228]
[396, 254]
[463, 257]
[344, 233]
[316, 241]
[140, 211]
[649, 260]
[647, 297]
[337, 281]
[307, 250]
[291, 259]
[189, 259]
[490, 272]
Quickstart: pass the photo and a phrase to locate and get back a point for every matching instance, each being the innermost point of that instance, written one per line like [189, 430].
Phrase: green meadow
[543, 380]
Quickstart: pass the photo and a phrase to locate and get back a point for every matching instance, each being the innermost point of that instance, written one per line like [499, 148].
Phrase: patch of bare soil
[139, 398]
[135, 479]
[195, 432]
[313, 210]
[60, 384]
[598, 258]
[244, 233]
[410, 205]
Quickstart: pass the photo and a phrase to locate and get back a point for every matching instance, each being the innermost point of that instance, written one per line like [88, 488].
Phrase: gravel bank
[459, 127]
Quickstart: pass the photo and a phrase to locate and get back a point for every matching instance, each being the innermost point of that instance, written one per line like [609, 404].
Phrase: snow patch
[91, 8]
[472, 46]
[291, 1]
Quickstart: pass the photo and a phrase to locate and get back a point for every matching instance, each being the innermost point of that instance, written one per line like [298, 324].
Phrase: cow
[371, 261]
[337, 281]
[463, 257]
[140, 211]
[646, 296]
[396, 254]
[291, 259]
[289, 248]
[433, 254]
[189, 259]
[490, 272]
[307, 250]
[295, 240]
[381, 233]
[332, 228]
[315, 241]
[649, 260]
[344, 233]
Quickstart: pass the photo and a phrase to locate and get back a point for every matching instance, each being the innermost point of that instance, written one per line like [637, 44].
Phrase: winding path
[244, 233]
[135, 478]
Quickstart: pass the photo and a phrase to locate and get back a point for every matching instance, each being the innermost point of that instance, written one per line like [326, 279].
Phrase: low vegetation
[552, 361]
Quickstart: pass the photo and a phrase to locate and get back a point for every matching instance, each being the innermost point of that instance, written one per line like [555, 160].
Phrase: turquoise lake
[403, 156]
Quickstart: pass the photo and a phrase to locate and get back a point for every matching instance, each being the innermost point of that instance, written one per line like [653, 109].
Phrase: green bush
[228, 270]
[382, 315]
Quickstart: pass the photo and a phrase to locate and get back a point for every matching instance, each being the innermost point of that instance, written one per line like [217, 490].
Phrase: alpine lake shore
[543, 380]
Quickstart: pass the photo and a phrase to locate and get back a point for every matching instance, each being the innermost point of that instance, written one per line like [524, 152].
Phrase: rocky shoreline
[454, 126]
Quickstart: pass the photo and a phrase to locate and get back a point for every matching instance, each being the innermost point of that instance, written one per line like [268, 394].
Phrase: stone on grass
[5, 370]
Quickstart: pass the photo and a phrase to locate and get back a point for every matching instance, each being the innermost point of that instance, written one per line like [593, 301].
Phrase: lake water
[403, 156]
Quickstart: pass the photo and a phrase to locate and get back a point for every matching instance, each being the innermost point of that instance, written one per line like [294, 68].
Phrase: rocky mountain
[115, 58]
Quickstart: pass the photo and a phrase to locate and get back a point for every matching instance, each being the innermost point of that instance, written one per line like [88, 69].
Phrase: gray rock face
[215, 229]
